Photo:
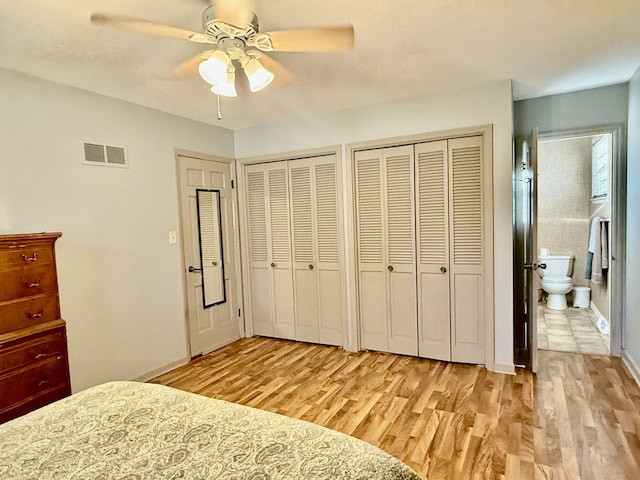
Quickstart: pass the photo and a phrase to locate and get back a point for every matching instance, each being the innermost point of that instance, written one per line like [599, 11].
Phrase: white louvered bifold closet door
[386, 257]
[270, 250]
[466, 223]
[316, 250]
[432, 238]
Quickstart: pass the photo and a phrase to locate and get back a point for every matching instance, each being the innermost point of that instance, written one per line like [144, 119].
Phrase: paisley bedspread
[138, 431]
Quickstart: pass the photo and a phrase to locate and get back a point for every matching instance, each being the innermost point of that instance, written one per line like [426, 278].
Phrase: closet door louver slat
[257, 217]
[369, 208]
[400, 209]
[279, 215]
[327, 213]
[302, 219]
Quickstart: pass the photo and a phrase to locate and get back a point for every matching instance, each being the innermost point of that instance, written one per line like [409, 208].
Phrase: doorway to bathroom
[574, 227]
[579, 190]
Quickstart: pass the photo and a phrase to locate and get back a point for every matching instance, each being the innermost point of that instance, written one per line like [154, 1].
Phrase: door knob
[193, 269]
[273, 265]
[443, 269]
[534, 266]
[390, 268]
[310, 266]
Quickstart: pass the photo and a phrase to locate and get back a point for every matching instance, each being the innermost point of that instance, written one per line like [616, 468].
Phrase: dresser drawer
[25, 255]
[28, 383]
[23, 282]
[18, 314]
[39, 349]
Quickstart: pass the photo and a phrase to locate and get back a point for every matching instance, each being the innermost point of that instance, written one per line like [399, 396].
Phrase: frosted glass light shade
[258, 76]
[226, 88]
[214, 69]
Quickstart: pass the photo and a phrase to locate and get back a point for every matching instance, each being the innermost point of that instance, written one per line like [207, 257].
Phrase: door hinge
[239, 313]
[232, 184]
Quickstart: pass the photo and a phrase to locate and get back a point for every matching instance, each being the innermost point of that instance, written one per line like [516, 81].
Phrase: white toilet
[556, 280]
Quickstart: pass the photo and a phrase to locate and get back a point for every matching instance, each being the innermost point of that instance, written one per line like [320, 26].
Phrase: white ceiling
[403, 49]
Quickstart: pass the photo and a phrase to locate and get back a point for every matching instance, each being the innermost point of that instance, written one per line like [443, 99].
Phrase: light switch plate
[173, 239]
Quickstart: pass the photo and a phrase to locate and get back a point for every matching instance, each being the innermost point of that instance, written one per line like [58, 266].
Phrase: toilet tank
[557, 265]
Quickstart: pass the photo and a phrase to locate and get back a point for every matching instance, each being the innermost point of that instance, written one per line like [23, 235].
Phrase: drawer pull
[33, 316]
[34, 284]
[30, 259]
[39, 356]
[41, 383]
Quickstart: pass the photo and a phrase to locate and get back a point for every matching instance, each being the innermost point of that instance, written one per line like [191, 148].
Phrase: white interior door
[467, 260]
[271, 280]
[530, 246]
[259, 250]
[279, 234]
[316, 250]
[218, 325]
[386, 251]
[371, 241]
[432, 238]
[400, 269]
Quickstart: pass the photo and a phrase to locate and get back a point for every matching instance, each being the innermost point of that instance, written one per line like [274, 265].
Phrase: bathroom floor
[572, 330]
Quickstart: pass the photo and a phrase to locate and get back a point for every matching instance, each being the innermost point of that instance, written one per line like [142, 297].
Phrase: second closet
[423, 215]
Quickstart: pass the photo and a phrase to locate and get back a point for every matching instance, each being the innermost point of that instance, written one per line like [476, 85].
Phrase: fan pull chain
[219, 112]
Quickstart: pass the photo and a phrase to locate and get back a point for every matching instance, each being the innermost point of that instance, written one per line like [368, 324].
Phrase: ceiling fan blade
[144, 26]
[190, 66]
[283, 76]
[327, 39]
[234, 12]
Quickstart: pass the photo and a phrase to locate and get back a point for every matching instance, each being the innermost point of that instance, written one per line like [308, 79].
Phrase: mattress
[139, 431]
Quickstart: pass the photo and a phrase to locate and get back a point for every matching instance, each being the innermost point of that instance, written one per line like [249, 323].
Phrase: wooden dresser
[34, 368]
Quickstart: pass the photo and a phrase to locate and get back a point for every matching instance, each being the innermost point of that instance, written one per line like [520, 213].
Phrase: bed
[139, 431]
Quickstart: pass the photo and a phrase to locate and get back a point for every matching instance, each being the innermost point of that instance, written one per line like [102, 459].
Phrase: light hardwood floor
[578, 418]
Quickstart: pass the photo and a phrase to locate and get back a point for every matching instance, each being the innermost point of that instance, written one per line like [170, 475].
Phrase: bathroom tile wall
[564, 193]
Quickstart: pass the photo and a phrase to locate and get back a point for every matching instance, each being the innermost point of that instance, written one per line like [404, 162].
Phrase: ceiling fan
[231, 26]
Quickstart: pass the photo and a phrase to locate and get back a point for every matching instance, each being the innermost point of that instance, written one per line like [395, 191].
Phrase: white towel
[601, 252]
[593, 234]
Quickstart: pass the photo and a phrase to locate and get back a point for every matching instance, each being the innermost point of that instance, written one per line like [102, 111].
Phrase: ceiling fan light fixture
[258, 76]
[227, 88]
[214, 69]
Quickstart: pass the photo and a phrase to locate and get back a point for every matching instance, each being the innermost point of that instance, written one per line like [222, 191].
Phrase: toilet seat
[557, 280]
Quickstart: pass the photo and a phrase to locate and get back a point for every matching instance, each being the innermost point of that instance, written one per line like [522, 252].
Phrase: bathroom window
[600, 155]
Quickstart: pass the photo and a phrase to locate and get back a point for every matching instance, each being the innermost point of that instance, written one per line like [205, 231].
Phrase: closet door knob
[443, 269]
[390, 268]
[310, 266]
[273, 265]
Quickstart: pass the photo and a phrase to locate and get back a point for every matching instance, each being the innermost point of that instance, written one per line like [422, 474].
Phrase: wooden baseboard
[145, 377]
[632, 366]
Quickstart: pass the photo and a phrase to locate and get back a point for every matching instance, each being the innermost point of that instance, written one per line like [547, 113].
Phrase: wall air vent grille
[104, 155]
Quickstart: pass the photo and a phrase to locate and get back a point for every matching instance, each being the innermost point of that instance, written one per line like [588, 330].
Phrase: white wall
[120, 281]
[631, 334]
[491, 104]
